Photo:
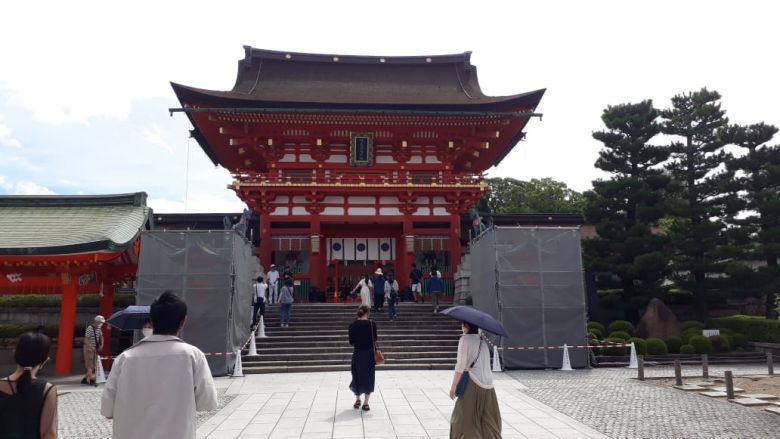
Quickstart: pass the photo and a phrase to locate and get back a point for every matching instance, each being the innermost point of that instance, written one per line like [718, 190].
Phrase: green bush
[688, 324]
[594, 336]
[753, 327]
[656, 346]
[621, 325]
[739, 341]
[701, 344]
[673, 343]
[687, 334]
[55, 300]
[726, 331]
[687, 349]
[639, 344]
[597, 326]
[615, 350]
[620, 334]
[14, 330]
[596, 332]
[719, 343]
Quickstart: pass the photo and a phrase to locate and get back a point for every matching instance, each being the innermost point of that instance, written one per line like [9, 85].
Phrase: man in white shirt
[156, 386]
[260, 290]
[273, 285]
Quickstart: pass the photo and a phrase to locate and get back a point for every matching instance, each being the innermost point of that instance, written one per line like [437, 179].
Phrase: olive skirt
[476, 414]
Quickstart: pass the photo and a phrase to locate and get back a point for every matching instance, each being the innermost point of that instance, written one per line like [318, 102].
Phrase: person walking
[365, 285]
[379, 289]
[261, 288]
[435, 287]
[273, 285]
[28, 406]
[286, 298]
[157, 385]
[363, 336]
[93, 343]
[391, 292]
[415, 282]
[476, 414]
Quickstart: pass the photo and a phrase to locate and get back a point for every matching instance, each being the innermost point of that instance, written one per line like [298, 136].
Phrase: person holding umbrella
[476, 413]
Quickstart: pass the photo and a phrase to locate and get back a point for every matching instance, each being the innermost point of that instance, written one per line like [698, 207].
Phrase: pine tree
[626, 207]
[756, 214]
[699, 204]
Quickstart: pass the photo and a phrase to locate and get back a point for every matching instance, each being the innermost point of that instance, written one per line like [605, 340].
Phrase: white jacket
[155, 387]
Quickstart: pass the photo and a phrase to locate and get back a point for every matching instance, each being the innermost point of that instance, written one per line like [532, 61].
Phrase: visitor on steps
[28, 406]
[365, 286]
[391, 292]
[273, 285]
[362, 335]
[93, 344]
[286, 299]
[379, 289]
[435, 287]
[476, 413]
[415, 281]
[259, 300]
[157, 385]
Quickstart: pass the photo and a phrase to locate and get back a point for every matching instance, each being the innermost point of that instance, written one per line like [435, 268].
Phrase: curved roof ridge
[255, 53]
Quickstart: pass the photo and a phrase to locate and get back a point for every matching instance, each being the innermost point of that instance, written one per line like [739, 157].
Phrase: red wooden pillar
[316, 264]
[455, 247]
[265, 240]
[106, 308]
[405, 257]
[62, 365]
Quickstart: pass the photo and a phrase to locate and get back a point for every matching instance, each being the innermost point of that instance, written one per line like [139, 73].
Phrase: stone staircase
[317, 340]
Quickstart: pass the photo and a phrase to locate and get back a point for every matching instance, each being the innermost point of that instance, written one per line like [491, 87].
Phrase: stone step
[346, 355]
[304, 331]
[342, 337]
[344, 368]
[298, 344]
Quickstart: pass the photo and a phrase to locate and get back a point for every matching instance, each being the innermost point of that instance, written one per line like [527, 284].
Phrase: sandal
[366, 407]
[357, 404]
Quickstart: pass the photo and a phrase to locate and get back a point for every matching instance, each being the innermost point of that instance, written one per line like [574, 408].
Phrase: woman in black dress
[362, 335]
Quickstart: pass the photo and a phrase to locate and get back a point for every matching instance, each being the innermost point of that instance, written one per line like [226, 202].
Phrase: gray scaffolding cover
[531, 279]
[211, 271]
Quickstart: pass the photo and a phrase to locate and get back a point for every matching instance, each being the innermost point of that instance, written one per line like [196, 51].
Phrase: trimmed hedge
[687, 349]
[701, 344]
[596, 333]
[720, 343]
[597, 326]
[620, 334]
[688, 324]
[673, 343]
[639, 344]
[13, 330]
[739, 341]
[617, 350]
[656, 346]
[621, 325]
[755, 328]
[55, 300]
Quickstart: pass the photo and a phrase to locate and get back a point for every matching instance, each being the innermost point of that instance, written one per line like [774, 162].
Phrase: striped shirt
[92, 336]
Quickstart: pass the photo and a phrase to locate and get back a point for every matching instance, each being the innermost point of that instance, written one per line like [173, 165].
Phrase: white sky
[84, 86]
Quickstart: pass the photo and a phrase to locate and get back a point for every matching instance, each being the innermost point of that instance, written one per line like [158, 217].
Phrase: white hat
[273, 265]
[378, 271]
[100, 319]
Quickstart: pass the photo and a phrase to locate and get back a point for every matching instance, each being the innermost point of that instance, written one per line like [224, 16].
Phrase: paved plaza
[598, 403]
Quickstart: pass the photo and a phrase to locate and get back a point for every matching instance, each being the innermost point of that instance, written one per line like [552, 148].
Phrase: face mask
[147, 332]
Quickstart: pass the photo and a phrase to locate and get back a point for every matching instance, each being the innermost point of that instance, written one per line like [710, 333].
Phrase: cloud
[155, 137]
[6, 137]
[24, 187]
[197, 203]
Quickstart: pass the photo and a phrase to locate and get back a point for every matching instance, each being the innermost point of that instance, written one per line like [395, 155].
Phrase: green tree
[755, 213]
[698, 121]
[627, 253]
[508, 195]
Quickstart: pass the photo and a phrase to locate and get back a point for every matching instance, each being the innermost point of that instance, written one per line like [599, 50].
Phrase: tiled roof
[55, 225]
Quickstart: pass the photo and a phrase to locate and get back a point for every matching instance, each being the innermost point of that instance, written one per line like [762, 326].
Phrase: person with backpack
[391, 291]
[415, 282]
[435, 287]
[286, 299]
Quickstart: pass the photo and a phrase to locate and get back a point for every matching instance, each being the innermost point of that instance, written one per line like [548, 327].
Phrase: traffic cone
[566, 364]
[238, 371]
[252, 344]
[496, 360]
[261, 326]
[100, 374]
[632, 363]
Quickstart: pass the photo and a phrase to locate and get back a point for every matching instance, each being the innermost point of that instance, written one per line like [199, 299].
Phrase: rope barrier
[208, 354]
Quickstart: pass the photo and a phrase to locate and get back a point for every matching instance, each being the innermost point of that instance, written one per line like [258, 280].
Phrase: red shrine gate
[355, 162]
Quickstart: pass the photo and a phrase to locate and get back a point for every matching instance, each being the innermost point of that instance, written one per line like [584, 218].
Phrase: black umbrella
[132, 317]
[476, 317]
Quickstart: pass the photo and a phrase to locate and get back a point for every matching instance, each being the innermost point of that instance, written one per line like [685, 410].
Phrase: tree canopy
[509, 195]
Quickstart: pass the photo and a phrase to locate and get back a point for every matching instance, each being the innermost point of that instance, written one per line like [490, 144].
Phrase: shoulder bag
[379, 357]
[463, 383]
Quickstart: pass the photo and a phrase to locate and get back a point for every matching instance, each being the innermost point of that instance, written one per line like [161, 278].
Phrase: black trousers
[259, 305]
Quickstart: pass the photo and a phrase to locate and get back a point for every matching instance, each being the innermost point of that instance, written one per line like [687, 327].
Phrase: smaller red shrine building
[354, 162]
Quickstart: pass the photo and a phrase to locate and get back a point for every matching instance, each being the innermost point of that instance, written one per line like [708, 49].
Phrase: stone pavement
[406, 404]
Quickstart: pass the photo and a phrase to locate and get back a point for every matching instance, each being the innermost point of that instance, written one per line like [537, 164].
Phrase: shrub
[621, 325]
[615, 350]
[673, 343]
[597, 332]
[594, 336]
[656, 346]
[719, 343]
[687, 349]
[639, 344]
[753, 327]
[701, 344]
[739, 341]
[726, 331]
[598, 327]
[688, 324]
[620, 334]
[13, 330]
[55, 300]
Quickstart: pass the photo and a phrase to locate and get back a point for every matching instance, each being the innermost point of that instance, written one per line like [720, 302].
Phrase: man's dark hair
[259, 278]
[168, 313]
[414, 265]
